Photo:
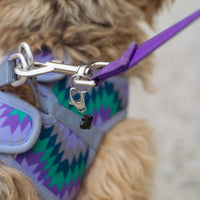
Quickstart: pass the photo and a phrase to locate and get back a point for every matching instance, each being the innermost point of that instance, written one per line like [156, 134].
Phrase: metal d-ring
[83, 78]
[25, 50]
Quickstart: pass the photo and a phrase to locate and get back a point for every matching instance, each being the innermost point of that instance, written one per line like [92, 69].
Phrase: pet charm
[86, 120]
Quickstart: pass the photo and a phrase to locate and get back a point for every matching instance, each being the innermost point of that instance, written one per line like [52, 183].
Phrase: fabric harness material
[48, 146]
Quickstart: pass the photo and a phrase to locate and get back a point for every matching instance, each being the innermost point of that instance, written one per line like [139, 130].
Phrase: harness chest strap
[7, 73]
[51, 149]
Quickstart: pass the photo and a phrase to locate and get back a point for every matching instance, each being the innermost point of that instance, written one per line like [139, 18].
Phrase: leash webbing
[135, 54]
[7, 73]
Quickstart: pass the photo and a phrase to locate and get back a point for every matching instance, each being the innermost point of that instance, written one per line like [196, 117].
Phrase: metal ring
[24, 66]
[89, 83]
[98, 65]
[27, 52]
[71, 80]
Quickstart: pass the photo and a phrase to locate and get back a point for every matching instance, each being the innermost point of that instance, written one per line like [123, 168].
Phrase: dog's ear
[149, 7]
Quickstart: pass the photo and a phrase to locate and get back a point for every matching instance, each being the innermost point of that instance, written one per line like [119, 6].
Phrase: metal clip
[86, 81]
[26, 60]
[80, 103]
[80, 81]
[25, 50]
[54, 66]
[98, 65]
[29, 68]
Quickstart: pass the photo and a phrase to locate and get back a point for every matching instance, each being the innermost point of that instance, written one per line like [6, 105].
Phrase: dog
[88, 31]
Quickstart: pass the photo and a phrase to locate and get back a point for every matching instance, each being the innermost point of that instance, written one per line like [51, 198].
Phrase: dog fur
[87, 30]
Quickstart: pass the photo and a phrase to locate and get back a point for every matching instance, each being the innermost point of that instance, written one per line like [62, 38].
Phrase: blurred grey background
[174, 111]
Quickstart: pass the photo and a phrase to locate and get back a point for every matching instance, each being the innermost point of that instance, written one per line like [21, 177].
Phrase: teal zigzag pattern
[103, 101]
[15, 125]
[57, 160]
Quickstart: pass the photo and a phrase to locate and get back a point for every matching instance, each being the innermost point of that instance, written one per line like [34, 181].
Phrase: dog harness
[48, 145]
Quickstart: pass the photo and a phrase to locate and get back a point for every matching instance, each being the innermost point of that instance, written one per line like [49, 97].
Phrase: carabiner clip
[80, 103]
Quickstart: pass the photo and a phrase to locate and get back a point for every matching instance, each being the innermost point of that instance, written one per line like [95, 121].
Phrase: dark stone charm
[86, 122]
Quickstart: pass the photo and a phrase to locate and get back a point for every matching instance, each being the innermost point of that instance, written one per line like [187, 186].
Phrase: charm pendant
[86, 122]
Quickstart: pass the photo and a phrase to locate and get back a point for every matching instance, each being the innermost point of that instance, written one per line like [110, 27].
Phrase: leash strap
[135, 54]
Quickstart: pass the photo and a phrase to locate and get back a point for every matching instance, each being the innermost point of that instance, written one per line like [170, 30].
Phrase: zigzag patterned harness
[48, 146]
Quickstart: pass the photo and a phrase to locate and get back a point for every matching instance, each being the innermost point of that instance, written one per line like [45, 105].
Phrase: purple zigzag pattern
[101, 116]
[34, 157]
[74, 142]
[68, 139]
[64, 133]
[70, 143]
[65, 191]
[31, 163]
[29, 168]
[73, 186]
[35, 169]
[11, 130]
[25, 122]
[13, 121]
[71, 196]
[30, 160]
[18, 135]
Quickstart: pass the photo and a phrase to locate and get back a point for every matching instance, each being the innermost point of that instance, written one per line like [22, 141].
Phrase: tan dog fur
[87, 30]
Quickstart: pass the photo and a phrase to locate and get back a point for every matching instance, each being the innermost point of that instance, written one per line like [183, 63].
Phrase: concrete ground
[174, 112]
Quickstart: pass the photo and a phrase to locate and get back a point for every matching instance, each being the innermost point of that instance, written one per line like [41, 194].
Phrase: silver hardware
[25, 50]
[80, 103]
[43, 68]
[98, 65]
[58, 61]
[31, 68]
[83, 78]
[85, 83]
[80, 81]
[25, 58]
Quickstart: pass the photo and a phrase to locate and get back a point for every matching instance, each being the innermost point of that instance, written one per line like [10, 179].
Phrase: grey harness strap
[7, 74]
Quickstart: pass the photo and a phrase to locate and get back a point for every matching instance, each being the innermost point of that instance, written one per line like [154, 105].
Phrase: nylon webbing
[135, 54]
[7, 74]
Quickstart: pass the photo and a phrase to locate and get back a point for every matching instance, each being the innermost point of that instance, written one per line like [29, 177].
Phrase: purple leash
[135, 54]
